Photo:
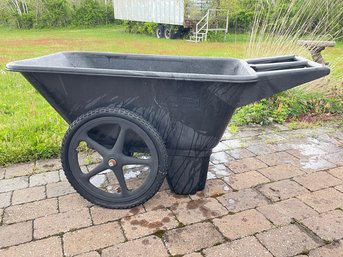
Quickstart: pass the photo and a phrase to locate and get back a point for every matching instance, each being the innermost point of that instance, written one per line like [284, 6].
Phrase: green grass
[29, 127]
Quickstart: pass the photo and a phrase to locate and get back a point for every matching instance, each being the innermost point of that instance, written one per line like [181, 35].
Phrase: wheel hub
[112, 162]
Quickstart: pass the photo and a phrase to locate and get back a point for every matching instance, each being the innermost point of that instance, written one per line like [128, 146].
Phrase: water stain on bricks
[201, 194]
[165, 220]
[146, 242]
[199, 204]
[134, 211]
[158, 207]
[174, 206]
[195, 204]
[147, 224]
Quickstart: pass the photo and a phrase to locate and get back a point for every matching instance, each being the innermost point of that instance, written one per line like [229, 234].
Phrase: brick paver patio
[270, 192]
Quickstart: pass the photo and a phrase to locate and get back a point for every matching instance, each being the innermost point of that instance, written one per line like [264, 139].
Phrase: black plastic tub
[188, 101]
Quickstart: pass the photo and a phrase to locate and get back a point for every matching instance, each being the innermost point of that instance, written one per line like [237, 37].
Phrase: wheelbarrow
[148, 117]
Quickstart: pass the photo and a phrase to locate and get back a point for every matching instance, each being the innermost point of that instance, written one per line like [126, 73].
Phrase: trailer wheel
[159, 31]
[112, 178]
[168, 34]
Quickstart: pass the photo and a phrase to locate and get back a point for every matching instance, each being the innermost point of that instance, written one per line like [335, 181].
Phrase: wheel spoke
[127, 160]
[95, 145]
[121, 179]
[119, 144]
[99, 168]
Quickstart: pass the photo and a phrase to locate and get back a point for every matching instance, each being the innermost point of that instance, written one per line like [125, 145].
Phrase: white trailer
[183, 14]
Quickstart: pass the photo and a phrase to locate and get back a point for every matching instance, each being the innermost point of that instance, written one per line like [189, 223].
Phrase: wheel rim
[113, 160]
[167, 33]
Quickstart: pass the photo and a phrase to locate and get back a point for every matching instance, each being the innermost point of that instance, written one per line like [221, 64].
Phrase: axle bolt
[112, 162]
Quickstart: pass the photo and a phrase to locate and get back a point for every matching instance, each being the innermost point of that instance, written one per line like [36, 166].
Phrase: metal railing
[203, 25]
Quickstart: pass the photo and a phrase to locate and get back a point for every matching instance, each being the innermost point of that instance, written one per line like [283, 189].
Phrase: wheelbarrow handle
[285, 65]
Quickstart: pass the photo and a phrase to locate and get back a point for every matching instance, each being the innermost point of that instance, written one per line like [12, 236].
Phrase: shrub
[57, 14]
[287, 106]
[141, 27]
[89, 13]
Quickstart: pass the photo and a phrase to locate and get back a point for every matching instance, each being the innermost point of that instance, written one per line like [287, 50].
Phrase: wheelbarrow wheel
[117, 178]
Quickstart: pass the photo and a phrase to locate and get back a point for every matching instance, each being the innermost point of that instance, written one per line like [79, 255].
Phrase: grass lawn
[30, 128]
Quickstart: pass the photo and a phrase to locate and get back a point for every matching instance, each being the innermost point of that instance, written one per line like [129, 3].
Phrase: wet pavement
[271, 191]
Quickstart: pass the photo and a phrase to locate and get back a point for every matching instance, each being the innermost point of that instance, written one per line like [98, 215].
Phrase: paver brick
[7, 185]
[329, 144]
[151, 246]
[262, 148]
[282, 171]
[61, 222]
[19, 170]
[59, 189]
[213, 188]
[250, 131]
[102, 215]
[337, 172]
[72, 202]
[92, 238]
[323, 200]
[336, 158]
[89, 254]
[2, 173]
[246, 180]
[164, 199]
[339, 188]
[303, 151]
[333, 250]
[271, 138]
[195, 254]
[5, 199]
[51, 247]
[281, 190]
[279, 158]
[240, 153]
[287, 241]
[164, 186]
[242, 200]
[220, 147]
[314, 164]
[242, 224]
[247, 247]
[282, 213]
[246, 164]
[29, 211]
[47, 165]
[233, 143]
[219, 171]
[220, 157]
[148, 223]
[197, 210]
[318, 180]
[28, 195]
[15, 234]
[44, 178]
[192, 238]
[62, 176]
[328, 226]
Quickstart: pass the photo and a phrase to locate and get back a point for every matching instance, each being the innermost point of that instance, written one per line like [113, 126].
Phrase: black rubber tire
[159, 32]
[168, 34]
[130, 117]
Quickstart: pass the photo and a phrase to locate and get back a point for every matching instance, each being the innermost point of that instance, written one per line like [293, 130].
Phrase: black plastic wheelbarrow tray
[160, 115]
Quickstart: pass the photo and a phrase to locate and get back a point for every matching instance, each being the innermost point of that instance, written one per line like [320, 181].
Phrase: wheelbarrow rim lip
[21, 66]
